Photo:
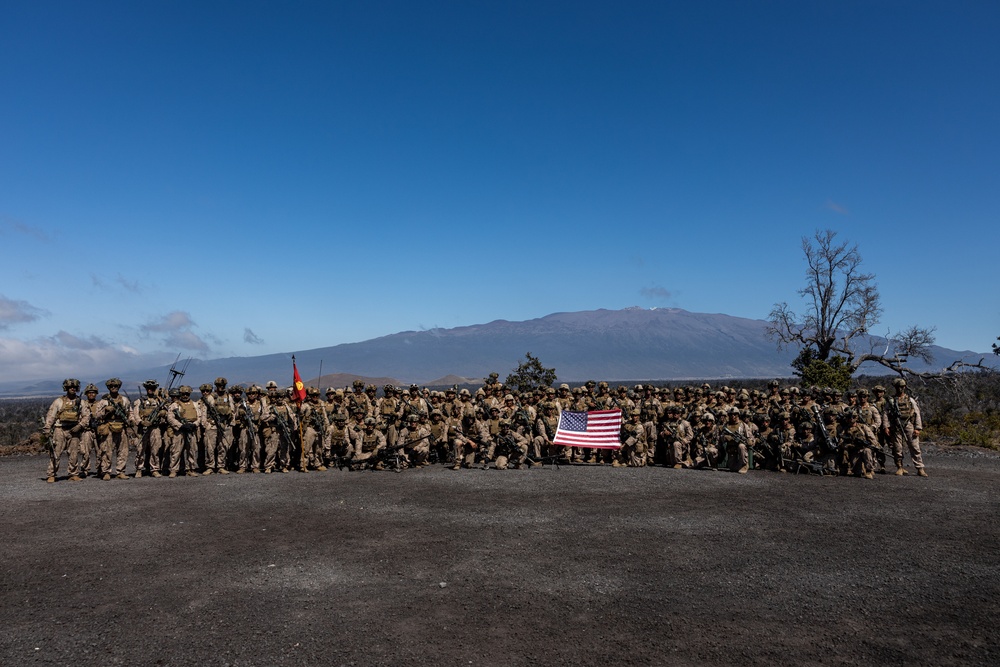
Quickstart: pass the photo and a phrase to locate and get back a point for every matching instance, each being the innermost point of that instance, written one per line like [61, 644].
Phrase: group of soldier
[271, 429]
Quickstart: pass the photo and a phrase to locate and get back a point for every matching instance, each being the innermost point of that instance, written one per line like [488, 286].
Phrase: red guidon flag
[300, 389]
[596, 428]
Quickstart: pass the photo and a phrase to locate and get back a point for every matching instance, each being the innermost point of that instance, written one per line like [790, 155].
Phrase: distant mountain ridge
[633, 343]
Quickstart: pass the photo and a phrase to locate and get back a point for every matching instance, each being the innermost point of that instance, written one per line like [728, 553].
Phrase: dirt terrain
[575, 566]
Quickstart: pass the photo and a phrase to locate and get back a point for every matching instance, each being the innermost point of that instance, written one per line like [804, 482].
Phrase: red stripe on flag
[602, 429]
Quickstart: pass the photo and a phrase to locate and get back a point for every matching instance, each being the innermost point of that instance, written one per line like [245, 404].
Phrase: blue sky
[242, 178]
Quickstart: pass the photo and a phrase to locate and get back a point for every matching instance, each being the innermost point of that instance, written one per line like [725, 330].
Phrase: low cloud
[186, 340]
[17, 312]
[119, 281]
[656, 293]
[65, 355]
[177, 320]
[251, 338]
[72, 342]
[177, 327]
[23, 229]
[837, 208]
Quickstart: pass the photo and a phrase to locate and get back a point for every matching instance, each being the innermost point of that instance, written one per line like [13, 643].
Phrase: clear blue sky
[242, 178]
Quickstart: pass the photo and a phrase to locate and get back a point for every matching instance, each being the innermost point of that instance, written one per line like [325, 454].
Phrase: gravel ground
[576, 565]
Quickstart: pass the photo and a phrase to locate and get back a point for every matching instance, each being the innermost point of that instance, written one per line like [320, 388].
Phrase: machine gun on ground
[829, 443]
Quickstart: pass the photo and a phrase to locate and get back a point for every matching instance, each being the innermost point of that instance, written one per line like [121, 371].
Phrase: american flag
[597, 428]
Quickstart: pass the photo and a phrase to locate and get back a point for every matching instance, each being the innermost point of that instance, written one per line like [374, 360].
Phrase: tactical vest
[224, 408]
[905, 408]
[69, 411]
[369, 442]
[147, 406]
[187, 411]
[111, 415]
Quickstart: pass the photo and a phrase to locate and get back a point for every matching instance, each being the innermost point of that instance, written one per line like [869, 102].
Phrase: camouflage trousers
[907, 437]
[113, 453]
[64, 441]
[184, 446]
[217, 442]
[88, 446]
[149, 450]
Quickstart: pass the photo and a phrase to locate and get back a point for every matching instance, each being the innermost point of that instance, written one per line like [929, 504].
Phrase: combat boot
[900, 472]
[51, 480]
[138, 474]
[921, 472]
[121, 475]
[156, 473]
[106, 477]
[74, 478]
[207, 472]
[743, 470]
[869, 475]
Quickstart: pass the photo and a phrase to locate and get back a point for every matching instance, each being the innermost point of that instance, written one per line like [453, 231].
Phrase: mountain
[629, 344]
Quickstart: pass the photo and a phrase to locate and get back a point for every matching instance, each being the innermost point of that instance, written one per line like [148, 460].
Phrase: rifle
[743, 439]
[829, 444]
[703, 445]
[282, 426]
[121, 415]
[892, 408]
[186, 426]
[250, 426]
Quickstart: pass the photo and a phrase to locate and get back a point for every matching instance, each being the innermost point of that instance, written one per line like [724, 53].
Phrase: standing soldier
[650, 413]
[237, 428]
[358, 398]
[284, 427]
[187, 420]
[388, 414]
[114, 419]
[148, 414]
[314, 424]
[902, 424]
[257, 413]
[63, 424]
[88, 437]
[218, 433]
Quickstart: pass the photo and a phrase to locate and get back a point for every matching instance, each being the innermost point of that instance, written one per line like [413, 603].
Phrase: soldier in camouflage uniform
[63, 425]
[284, 427]
[114, 417]
[858, 441]
[677, 434]
[148, 413]
[737, 438]
[369, 445]
[315, 424]
[902, 424]
[217, 435]
[632, 452]
[88, 436]
[186, 419]
[509, 448]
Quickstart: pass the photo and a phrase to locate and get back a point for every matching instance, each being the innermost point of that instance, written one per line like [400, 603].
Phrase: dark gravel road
[575, 566]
